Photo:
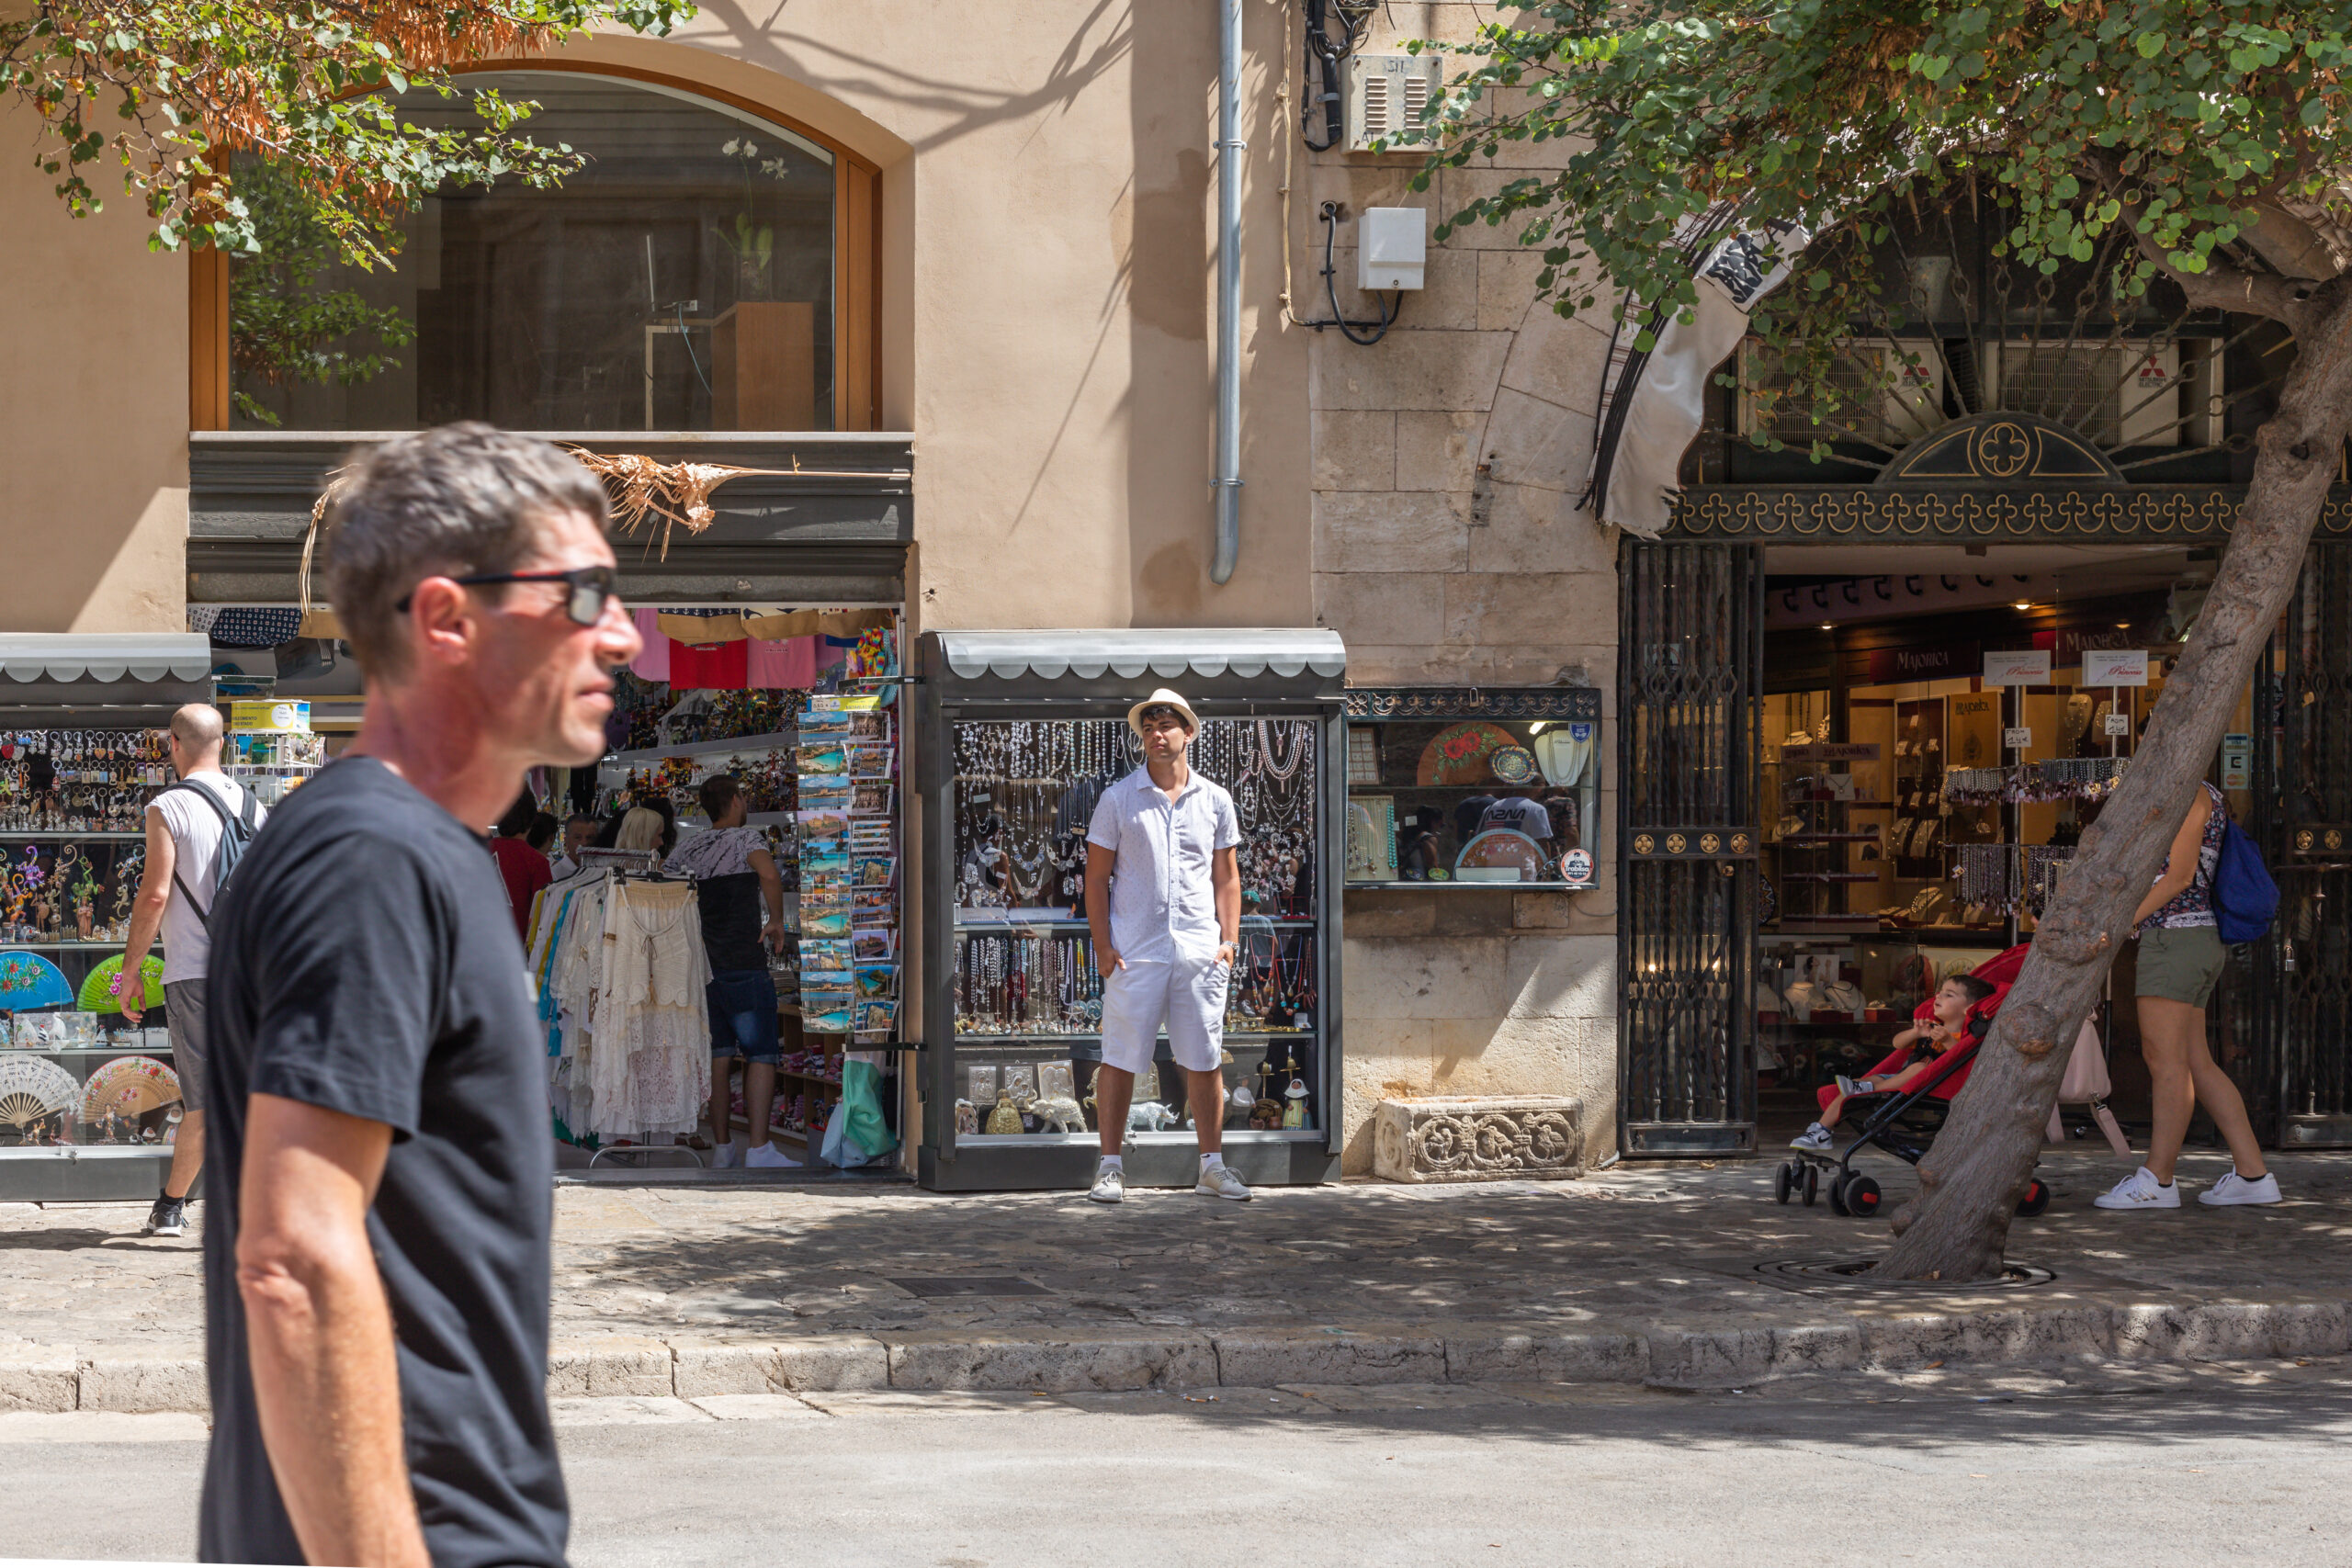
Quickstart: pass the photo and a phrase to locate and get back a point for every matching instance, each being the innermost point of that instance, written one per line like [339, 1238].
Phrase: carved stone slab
[1504, 1137]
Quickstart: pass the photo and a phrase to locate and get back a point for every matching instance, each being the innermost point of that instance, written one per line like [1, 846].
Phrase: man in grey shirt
[175, 896]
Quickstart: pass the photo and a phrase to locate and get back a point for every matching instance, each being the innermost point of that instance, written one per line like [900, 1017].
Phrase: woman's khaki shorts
[2181, 963]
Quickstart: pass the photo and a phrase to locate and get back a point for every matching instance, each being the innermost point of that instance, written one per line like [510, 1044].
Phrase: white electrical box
[1386, 95]
[1392, 248]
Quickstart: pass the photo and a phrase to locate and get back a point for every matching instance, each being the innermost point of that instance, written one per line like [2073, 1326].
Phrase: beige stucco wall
[1449, 551]
[92, 409]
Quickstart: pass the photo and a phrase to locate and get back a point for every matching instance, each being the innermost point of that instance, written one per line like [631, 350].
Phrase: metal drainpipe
[1229, 148]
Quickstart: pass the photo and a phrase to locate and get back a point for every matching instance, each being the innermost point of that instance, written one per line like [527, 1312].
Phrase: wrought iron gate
[1690, 667]
[2305, 966]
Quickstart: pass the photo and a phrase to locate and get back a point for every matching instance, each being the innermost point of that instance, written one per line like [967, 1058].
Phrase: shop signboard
[2115, 666]
[1953, 660]
[2017, 667]
[2077, 644]
[1832, 752]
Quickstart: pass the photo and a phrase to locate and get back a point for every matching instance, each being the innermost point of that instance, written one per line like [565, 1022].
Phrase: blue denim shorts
[742, 1016]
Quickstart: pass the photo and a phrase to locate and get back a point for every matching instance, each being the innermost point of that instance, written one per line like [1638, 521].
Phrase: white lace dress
[648, 1040]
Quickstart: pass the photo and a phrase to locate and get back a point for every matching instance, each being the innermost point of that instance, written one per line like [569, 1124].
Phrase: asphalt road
[2145, 1466]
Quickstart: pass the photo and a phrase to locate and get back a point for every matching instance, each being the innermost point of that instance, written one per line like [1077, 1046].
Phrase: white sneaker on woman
[2140, 1190]
[2236, 1188]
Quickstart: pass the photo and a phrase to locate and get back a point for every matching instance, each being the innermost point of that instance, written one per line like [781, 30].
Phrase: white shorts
[1188, 996]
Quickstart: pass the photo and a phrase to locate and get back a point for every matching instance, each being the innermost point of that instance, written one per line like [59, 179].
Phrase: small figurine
[1295, 1114]
[1004, 1119]
[967, 1118]
[1149, 1116]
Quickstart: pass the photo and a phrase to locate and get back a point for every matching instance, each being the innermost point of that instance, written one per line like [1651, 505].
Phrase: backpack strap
[203, 916]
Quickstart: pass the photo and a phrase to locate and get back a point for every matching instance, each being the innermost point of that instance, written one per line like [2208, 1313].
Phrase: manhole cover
[1813, 1273]
[971, 1285]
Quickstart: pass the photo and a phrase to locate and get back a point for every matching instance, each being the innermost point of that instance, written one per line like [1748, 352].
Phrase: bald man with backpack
[197, 829]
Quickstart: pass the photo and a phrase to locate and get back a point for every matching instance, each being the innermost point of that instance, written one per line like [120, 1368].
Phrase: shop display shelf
[1830, 838]
[87, 1050]
[1022, 1042]
[774, 739]
[62, 835]
[1830, 876]
[996, 920]
[92, 945]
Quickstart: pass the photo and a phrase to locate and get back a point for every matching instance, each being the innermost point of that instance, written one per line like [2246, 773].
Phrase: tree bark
[1982, 1160]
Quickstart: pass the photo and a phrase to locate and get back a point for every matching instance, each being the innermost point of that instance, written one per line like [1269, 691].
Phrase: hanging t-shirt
[788, 664]
[653, 663]
[524, 871]
[719, 667]
[365, 962]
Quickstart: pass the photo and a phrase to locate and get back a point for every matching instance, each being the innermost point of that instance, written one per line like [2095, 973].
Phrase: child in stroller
[1916, 1051]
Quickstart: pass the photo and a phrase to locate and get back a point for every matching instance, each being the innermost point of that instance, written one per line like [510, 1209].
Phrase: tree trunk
[1983, 1159]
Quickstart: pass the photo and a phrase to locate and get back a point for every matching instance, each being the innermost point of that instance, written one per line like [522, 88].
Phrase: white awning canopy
[105, 657]
[1130, 653]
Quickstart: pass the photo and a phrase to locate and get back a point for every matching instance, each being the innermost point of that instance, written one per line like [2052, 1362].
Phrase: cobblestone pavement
[1641, 1273]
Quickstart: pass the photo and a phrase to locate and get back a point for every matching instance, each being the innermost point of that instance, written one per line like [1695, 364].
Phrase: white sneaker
[1220, 1182]
[2140, 1191]
[726, 1156]
[2236, 1188]
[1815, 1138]
[767, 1157]
[1110, 1185]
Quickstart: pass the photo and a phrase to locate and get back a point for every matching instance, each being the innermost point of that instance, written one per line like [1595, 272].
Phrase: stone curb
[52, 1379]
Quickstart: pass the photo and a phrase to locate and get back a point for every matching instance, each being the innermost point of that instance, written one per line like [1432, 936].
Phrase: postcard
[820, 759]
[876, 980]
[873, 945]
[877, 870]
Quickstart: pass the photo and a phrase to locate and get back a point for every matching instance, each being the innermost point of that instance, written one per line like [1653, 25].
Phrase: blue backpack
[2245, 897]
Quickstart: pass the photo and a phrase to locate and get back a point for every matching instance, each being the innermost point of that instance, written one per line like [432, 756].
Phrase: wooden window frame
[857, 265]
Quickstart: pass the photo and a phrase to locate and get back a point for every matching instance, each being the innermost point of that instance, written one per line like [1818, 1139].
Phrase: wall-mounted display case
[1023, 732]
[1458, 786]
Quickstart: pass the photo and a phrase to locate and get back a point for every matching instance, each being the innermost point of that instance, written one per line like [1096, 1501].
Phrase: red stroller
[1905, 1124]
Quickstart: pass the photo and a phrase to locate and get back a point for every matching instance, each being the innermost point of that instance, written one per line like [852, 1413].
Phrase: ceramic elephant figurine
[1060, 1113]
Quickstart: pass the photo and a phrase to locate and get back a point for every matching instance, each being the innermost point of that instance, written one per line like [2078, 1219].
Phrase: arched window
[684, 279]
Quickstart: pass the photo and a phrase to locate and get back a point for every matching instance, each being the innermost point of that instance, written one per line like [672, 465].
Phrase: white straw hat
[1164, 698]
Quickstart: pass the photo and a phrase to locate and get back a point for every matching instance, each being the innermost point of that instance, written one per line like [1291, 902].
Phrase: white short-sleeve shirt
[1164, 898]
[196, 830]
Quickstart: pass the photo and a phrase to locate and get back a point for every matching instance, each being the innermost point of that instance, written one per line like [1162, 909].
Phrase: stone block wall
[1449, 550]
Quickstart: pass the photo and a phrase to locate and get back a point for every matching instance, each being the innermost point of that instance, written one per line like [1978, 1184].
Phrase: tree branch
[2285, 299]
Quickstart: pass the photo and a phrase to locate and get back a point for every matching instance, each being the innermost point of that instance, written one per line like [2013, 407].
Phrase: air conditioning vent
[1386, 95]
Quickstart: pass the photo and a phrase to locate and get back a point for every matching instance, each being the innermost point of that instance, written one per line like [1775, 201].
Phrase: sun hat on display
[1163, 698]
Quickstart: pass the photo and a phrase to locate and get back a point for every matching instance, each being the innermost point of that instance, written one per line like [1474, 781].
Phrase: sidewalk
[1641, 1275]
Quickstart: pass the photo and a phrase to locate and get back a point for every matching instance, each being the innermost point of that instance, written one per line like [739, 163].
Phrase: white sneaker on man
[1218, 1181]
[1110, 1184]
[2236, 1188]
[2140, 1190]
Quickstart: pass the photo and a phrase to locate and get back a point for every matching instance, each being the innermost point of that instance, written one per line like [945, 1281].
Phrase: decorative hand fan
[32, 1087]
[1459, 754]
[129, 1086]
[97, 991]
[27, 980]
[1501, 850]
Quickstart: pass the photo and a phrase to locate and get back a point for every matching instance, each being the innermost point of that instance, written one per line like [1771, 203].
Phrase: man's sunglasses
[591, 587]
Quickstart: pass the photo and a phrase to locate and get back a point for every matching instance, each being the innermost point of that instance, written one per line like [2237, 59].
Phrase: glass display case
[1013, 1002]
[1470, 787]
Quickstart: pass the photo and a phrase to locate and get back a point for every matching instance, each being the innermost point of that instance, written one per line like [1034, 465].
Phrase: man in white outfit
[1163, 899]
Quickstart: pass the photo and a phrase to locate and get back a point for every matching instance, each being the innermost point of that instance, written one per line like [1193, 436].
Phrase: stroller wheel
[2036, 1199]
[1812, 1183]
[1860, 1194]
[1837, 1194]
[1784, 1181]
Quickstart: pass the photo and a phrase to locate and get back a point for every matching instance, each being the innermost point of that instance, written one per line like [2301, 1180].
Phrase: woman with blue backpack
[2202, 899]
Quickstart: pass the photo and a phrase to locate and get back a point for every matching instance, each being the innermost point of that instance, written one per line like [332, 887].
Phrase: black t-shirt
[364, 960]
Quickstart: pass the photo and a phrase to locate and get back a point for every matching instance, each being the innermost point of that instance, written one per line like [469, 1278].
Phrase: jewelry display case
[1024, 731]
[1460, 787]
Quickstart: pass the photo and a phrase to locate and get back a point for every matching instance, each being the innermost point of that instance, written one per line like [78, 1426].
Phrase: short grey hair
[455, 501]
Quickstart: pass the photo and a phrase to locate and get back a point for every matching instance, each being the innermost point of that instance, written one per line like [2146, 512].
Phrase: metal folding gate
[1690, 663]
[2301, 1058]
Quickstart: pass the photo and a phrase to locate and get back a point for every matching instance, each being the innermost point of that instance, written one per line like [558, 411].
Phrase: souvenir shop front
[89, 1104]
[1863, 738]
[1020, 733]
[775, 651]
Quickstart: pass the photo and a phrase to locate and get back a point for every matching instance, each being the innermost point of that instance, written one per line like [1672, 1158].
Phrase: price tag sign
[2237, 762]
[2115, 666]
[2117, 724]
[2018, 667]
[2018, 737]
